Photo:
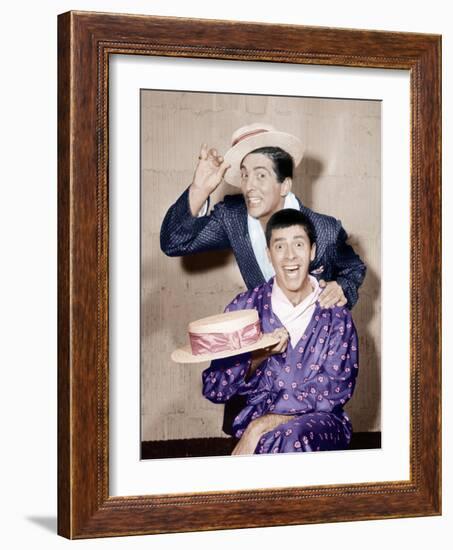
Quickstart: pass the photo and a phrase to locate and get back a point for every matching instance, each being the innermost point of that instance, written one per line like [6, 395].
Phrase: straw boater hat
[223, 335]
[251, 137]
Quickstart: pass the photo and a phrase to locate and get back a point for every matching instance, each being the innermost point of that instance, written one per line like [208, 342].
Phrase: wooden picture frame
[85, 41]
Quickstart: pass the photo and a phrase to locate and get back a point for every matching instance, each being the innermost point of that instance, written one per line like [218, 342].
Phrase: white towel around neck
[295, 318]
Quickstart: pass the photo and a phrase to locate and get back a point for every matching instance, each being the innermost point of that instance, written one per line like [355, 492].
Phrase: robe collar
[295, 318]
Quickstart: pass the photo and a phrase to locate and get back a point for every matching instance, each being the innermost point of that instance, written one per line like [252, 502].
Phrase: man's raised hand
[210, 169]
[209, 172]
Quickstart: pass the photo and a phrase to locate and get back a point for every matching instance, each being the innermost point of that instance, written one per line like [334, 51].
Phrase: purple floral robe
[309, 382]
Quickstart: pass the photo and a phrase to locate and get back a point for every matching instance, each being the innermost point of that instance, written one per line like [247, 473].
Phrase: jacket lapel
[316, 266]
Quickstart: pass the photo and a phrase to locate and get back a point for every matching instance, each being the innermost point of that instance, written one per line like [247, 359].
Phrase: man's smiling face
[290, 252]
[263, 193]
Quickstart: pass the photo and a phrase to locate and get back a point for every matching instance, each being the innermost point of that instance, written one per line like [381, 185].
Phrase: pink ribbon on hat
[249, 134]
[215, 342]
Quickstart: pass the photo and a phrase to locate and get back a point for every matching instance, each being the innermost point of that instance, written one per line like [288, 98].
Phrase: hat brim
[185, 355]
[289, 143]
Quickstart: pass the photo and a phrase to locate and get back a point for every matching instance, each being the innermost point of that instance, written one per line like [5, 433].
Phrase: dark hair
[287, 218]
[282, 161]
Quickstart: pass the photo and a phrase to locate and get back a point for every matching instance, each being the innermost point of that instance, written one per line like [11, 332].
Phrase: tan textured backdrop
[339, 175]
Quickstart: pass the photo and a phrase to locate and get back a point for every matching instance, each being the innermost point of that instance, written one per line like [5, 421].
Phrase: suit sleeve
[182, 234]
[350, 270]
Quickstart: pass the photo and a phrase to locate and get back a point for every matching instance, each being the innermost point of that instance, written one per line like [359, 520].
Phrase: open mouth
[291, 270]
[253, 201]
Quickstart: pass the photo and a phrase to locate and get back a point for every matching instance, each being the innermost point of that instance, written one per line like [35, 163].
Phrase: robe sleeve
[182, 234]
[226, 377]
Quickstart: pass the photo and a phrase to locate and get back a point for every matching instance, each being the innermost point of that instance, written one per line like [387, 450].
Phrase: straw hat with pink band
[248, 138]
[223, 335]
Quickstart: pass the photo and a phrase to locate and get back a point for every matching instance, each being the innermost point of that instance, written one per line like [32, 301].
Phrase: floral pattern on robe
[310, 382]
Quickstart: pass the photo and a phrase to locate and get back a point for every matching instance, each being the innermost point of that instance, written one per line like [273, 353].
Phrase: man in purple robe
[296, 390]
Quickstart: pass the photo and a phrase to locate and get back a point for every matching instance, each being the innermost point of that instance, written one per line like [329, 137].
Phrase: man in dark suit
[260, 162]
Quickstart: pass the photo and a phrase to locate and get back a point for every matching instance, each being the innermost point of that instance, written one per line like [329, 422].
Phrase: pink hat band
[216, 342]
[248, 135]
[223, 335]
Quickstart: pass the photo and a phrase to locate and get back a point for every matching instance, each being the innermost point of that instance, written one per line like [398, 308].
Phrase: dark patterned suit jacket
[226, 227]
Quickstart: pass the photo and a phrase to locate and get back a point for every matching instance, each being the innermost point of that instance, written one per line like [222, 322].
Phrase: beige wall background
[339, 175]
